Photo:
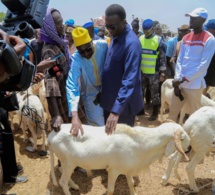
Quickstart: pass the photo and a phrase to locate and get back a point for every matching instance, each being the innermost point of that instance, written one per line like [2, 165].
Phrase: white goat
[40, 90]
[127, 151]
[200, 126]
[28, 122]
[13, 115]
[166, 96]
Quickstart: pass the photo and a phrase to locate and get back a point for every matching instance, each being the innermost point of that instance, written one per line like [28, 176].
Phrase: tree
[2, 16]
[164, 27]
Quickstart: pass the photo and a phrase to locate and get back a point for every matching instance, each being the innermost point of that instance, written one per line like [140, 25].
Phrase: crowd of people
[101, 75]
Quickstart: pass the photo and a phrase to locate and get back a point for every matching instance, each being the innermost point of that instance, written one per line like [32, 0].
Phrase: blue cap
[147, 24]
[70, 22]
[210, 24]
[88, 24]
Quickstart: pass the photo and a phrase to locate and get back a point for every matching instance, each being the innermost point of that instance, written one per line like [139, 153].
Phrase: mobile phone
[57, 56]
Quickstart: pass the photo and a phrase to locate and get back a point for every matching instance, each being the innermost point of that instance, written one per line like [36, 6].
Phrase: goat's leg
[162, 109]
[112, 176]
[52, 167]
[182, 114]
[130, 181]
[172, 159]
[65, 177]
[198, 156]
[24, 128]
[176, 166]
[71, 183]
[34, 136]
[44, 140]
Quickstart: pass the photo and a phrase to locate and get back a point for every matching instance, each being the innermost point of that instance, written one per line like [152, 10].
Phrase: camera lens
[25, 30]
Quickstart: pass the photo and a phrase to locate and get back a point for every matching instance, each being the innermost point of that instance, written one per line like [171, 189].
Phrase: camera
[23, 16]
[20, 75]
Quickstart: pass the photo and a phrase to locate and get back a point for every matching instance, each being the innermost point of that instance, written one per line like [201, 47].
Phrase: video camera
[23, 16]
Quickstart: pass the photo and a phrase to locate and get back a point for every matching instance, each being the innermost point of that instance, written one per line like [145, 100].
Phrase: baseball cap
[198, 12]
[147, 24]
[210, 24]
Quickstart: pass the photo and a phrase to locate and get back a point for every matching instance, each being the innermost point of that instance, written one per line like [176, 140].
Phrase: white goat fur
[200, 126]
[40, 90]
[127, 151]
[33, 102]
[166, 96]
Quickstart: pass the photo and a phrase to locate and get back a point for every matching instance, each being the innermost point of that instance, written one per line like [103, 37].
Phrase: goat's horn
[177, 139]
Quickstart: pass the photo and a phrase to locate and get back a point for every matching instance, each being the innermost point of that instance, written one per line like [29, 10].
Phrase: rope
[186, 192]
[33, 115]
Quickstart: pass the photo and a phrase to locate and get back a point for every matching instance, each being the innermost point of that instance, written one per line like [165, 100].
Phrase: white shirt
[194, 58]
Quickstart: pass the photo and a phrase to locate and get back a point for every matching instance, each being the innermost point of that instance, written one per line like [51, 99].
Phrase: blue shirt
[121, 80]
[84, 78]
[171, 47]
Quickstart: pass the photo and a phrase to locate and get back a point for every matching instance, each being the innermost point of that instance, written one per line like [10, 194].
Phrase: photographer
[8, 157]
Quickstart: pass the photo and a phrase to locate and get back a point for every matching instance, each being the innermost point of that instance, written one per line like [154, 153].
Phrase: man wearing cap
[90, 27]
[196, 52]
[121, 96]
[210, 76]
[153, 62]
[84, 79]
[171, 55]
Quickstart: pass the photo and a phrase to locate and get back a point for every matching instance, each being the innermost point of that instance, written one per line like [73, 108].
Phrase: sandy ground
[37, 169]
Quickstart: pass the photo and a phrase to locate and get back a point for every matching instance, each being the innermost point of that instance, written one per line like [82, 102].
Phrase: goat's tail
[177, 139]
[52, 166]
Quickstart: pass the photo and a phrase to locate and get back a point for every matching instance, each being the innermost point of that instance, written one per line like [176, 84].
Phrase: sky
[169, 12]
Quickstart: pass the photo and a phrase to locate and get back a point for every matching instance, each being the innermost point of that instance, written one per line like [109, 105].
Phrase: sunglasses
[87, 50]
[113, 26]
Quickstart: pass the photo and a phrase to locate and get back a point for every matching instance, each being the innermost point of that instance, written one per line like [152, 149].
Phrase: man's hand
[47, 63]
[76, 125]
[111, 123]
[173, 60]
[176, 83]
[18, 44]
[56, 123]
[38, 77]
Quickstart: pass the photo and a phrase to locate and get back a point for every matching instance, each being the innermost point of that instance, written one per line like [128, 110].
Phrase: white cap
[198, 12]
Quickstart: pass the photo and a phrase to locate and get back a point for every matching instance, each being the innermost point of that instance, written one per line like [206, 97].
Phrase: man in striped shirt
[197, 49]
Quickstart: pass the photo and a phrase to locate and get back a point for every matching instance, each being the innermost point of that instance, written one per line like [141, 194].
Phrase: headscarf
[48, 33]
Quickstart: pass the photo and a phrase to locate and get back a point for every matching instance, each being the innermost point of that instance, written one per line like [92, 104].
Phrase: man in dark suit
[121, 96]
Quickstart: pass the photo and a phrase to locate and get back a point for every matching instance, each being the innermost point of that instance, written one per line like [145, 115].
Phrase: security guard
[153, 62]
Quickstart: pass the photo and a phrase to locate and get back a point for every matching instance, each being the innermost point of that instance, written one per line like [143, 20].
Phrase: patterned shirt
[56, 86]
